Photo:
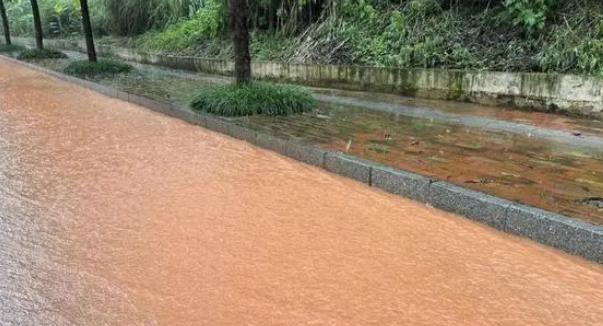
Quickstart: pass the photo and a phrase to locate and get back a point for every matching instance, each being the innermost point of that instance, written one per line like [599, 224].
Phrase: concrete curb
[554, 230]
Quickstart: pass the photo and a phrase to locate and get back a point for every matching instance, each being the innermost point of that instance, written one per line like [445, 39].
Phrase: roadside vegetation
[35, 54]
[563, 36]
[254, 98]
[242, 98]
[99, 68]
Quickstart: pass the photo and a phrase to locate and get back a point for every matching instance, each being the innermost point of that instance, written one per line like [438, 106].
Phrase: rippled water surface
[113, 215]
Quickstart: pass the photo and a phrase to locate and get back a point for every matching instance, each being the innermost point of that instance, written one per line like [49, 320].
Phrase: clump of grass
[11, 48]
[100, 68]
[255, 98]
[36, 54]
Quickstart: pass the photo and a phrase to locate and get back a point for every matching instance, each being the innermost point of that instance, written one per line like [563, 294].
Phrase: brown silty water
[114, 215]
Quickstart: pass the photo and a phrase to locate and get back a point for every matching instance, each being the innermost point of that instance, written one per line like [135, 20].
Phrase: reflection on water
[553, 121]
[114, 215]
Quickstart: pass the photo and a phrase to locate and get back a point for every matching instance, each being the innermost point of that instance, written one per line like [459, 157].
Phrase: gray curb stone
[110, 92]
[175, 112]
[133, 98]
[169, 109]
[123, 96]
[192, 118]
[572, 236]
[401, 183]
[307, 154]
[596, 247]
[86, 84]
[242, 133]
[272, 143]
[475, 205]
[155, 105]
[567, 234]
[348, 166]
[216, 124]
[198, 119]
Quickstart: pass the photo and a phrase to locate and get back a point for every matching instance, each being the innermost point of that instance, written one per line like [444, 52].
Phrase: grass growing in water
[36, 54]
[100, 68]
[255, 98]
[11, 48]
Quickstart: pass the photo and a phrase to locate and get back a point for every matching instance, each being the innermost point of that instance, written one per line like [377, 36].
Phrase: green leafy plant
[255, 98]
[19, 13]
[504, 35]
[531, 14]
[35, 54]
[102, 67]
[206, 24]
[132, 17]
[590, 57]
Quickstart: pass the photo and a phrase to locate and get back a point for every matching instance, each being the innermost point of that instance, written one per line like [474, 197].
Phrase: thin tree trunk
[239, 13]
[5, 24]
[37, 25]
[88, 31]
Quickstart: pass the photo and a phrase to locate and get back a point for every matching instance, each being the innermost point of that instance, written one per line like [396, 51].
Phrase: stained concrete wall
[572, 94]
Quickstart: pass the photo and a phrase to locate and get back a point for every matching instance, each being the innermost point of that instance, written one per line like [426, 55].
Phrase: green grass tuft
[100, 68]
[255, 98]
[36, 54]
[11, 48]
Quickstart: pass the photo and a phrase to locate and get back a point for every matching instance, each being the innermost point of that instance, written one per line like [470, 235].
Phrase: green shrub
[36, 54]
[531, 14]
[10, 48]
[133, 17]
[58, 17]
[205, 25]
[100, 68]
[255, 98]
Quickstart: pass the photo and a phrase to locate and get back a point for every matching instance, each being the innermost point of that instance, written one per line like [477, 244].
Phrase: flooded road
[549, 161]
[113, 215]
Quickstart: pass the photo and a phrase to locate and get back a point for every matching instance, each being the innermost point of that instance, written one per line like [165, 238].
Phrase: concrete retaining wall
[571, 94]
[558, 231]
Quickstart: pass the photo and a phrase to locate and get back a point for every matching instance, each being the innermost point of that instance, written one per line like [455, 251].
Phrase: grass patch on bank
[11, 48]
[35, 54]
[102, 67]
[255, 98]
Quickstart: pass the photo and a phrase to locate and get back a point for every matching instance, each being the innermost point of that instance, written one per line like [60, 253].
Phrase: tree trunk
[239, 14]
[37, 25]
[88, 31]
[5, 23]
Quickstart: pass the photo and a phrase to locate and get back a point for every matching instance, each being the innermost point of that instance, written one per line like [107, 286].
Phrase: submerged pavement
[113, 215]
[495, 125]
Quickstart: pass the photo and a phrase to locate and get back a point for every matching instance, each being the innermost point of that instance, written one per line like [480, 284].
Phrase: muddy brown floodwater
[114, 215]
